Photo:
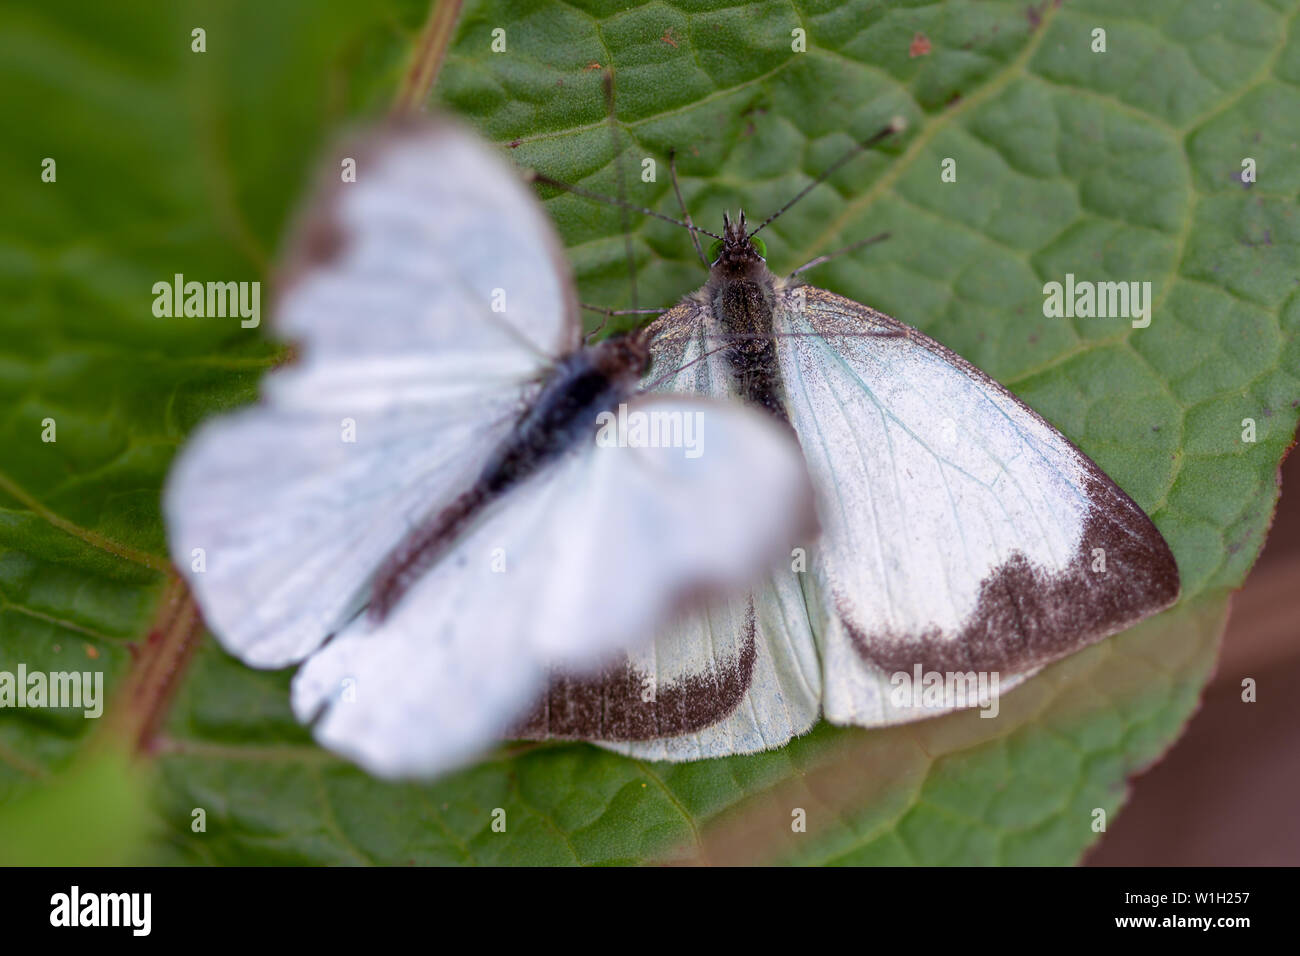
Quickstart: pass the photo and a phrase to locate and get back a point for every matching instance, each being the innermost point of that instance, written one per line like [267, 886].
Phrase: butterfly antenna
[896, 125]
[686, 213]
[533, 175]
[625, 223]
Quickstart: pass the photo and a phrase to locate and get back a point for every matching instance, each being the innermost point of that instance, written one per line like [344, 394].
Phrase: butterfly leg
[879, 237]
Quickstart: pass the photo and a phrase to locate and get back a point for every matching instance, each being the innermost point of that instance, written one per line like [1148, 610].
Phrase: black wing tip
[1122, 573]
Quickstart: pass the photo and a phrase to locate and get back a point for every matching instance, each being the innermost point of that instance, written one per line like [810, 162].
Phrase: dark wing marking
[612, 706]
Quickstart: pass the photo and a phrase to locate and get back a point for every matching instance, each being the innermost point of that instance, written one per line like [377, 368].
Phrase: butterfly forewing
[400, 262]
[281, 523]
[962, 531]
[405, 379]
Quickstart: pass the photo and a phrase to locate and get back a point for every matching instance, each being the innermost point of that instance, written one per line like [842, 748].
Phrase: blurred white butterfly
[419, 507]
[966, 542]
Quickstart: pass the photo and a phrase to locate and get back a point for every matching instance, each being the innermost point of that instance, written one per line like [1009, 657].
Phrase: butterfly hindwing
[739, 676]
[768, 635]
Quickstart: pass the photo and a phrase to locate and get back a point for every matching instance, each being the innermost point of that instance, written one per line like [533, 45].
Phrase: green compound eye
[715, 250]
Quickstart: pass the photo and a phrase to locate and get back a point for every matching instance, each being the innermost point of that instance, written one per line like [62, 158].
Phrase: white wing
[277, 518]
[739, 676]
[962, 532]
[438, 249]
[585, 559]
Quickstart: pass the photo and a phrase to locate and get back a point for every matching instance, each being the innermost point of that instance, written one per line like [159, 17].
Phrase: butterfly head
[624, 358]
[736, 252]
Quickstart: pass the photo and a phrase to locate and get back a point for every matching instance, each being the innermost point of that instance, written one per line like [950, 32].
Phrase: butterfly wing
[436, 249]
[406, 378]
[962, 532]
[585, 559]
[278, 523]
[737, 676]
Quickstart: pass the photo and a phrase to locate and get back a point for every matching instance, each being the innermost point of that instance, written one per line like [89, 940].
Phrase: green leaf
[1123, 165]
[94, 813]
[166, 161]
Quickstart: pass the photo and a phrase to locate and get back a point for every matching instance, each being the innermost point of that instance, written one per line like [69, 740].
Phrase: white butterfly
[964, 538]
[418, 508]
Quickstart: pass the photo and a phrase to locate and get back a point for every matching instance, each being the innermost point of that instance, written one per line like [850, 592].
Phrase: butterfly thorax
[742, 295]
[563, 412]
[578, 388]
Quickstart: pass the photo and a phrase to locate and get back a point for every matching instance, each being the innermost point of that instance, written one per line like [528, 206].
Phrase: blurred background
[1228, 791]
